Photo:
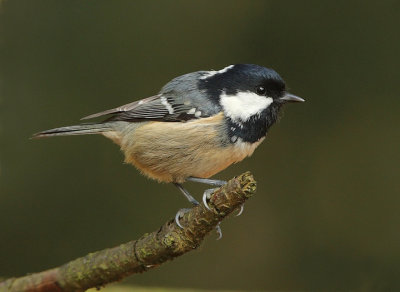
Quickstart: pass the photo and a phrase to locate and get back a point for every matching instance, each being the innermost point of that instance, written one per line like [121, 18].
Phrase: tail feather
[83, 129]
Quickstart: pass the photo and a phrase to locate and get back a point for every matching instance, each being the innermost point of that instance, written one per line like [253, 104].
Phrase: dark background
[326, 214]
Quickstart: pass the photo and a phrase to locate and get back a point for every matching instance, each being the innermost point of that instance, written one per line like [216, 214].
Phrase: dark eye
[261, 90]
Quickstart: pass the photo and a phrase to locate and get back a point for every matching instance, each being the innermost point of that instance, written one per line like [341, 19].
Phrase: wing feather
[156, 107]
[125, 108]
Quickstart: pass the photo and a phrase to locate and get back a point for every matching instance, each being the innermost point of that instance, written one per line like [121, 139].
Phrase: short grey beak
[291, 98]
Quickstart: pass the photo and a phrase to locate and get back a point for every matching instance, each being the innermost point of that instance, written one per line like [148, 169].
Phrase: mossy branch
[151, 250]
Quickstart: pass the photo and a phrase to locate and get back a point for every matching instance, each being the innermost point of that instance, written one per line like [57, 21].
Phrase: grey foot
[206, 197]
[180, 214]
[219, 231]
[240, 211]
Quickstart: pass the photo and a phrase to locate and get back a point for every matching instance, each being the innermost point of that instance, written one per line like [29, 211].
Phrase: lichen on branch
[149, 251]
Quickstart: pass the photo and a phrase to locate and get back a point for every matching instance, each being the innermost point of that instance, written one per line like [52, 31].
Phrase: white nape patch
[241, 106]
[208, 74]
[197, 114]
[191, 111]
[165, 103]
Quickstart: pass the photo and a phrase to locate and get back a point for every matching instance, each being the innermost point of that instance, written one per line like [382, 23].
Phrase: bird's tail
[83, 129]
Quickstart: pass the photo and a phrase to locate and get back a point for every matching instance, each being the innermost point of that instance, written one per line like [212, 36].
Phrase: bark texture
[151, 250]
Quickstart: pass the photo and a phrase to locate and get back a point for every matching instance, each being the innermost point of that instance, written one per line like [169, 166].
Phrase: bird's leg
[182, 212]
[187, 194]
[207, 181]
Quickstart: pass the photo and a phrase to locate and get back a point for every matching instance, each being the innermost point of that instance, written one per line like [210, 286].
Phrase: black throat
[254, 128]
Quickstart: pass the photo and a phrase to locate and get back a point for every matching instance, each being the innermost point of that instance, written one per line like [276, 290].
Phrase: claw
[219, 231]
[240, 211]
[207, 196]
[180, 214]
[177, 220]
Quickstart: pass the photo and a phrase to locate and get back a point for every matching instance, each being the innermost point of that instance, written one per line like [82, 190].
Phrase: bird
[196, 126]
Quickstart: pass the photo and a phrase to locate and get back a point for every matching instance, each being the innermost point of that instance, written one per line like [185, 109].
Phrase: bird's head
[250, 97]
[246, 90]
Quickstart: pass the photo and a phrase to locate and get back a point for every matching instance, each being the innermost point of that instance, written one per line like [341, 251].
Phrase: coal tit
[197, 125]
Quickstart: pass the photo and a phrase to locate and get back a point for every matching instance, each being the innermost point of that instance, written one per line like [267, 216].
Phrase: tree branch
[137, 256]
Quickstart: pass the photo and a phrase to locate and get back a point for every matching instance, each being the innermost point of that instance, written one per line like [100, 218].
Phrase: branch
[151, 250]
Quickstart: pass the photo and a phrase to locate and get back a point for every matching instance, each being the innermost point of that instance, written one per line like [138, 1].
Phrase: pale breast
[171, 152]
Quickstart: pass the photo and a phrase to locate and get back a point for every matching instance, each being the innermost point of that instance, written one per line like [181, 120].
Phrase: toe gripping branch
[200, 220]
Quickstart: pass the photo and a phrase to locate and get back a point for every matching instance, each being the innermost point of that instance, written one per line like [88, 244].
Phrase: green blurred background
[326, 214]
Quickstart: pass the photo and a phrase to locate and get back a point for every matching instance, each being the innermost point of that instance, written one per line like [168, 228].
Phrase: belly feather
[171, 152]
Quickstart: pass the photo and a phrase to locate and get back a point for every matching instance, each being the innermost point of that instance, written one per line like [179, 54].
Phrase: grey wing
[122, 108]
[156, 107]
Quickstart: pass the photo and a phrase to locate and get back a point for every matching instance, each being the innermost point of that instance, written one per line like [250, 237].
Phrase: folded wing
[155, 107]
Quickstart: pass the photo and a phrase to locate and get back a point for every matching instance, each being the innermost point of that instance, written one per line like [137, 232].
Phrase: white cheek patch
[241, 106]
[212, 73]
